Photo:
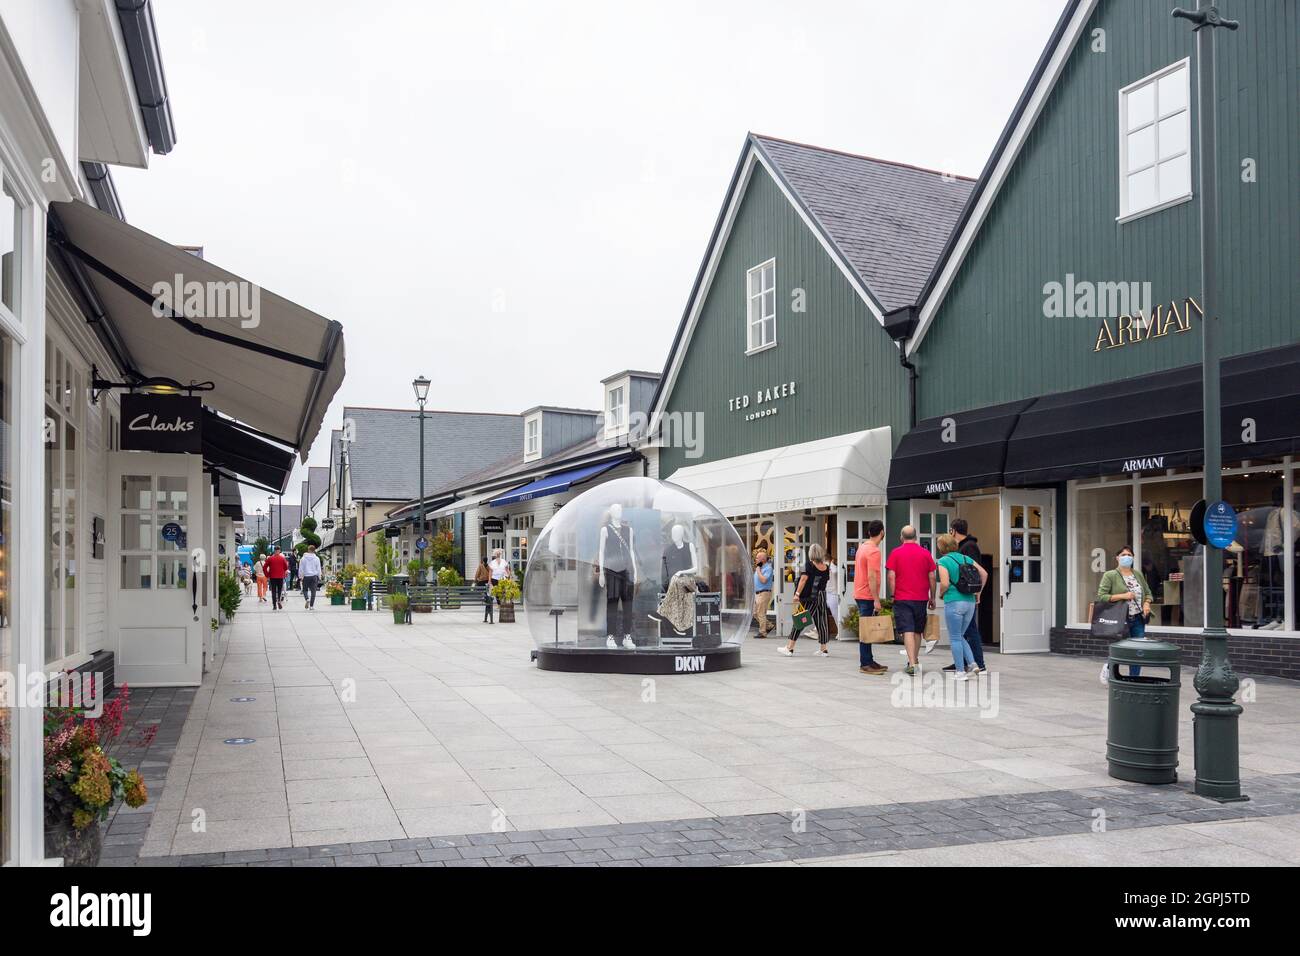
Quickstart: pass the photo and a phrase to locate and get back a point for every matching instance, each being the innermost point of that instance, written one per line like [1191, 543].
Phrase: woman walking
[810, 592]
[959, 602]
[1124, 582]
[483, 576]
[259, 572]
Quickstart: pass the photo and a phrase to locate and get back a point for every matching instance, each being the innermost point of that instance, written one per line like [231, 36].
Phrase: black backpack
[968, 578]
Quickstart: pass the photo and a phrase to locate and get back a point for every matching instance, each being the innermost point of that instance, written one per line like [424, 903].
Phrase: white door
[795, 535]
[156, 528]
[517, 551]
[1027, 577]
[852, 532]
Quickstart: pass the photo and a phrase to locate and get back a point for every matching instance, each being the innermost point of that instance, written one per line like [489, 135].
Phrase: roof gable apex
[1024, 117]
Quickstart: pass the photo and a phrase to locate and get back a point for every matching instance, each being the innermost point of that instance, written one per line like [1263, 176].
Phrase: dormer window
[532, 437]
[616, 409]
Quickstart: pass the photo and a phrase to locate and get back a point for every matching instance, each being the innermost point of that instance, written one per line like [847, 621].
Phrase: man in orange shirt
[277, 568]
[866, 589]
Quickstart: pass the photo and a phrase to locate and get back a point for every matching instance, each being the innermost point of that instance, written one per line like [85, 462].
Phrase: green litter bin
[1142, 720]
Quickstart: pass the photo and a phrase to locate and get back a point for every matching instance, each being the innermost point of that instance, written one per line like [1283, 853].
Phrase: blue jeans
[958, 615]
[1137, 628]
[865, 658]
[972, 636]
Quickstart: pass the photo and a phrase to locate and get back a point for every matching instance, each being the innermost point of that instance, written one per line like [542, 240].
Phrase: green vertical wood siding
[847, 369]
[1055, 215]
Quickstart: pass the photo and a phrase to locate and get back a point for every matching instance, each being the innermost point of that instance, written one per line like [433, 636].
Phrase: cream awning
[274, 365]
[844, 471]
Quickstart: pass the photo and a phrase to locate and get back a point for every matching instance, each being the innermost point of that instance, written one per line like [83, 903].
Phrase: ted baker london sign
[768, 396]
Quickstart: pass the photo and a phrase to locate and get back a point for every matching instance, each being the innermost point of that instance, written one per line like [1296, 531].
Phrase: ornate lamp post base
[1214, 724]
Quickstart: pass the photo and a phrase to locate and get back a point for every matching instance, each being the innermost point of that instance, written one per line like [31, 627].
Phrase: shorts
[909, 616]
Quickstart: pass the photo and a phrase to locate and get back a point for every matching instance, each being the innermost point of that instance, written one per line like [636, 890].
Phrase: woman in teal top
[958, 607]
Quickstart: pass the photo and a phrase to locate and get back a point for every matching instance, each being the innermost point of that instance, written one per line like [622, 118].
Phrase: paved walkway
[368, 733]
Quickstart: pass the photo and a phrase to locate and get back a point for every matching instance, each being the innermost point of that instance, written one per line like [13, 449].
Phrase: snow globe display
[638, 576]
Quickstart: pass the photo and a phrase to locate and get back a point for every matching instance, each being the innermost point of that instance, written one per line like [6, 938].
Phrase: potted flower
[398, 604]
[361, 588]
[449, 577]
[507, 592]
[83, 783]
[334, 591]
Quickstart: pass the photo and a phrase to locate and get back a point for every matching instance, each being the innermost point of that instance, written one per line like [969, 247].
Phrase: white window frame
[750, 298]
[532, 437]
[1126, 212]
[616, 408]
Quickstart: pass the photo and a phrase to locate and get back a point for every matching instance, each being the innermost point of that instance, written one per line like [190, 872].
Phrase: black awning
[231, 449]
[1154, 421]
[230, 502]
[1147, 423]
[955, 452]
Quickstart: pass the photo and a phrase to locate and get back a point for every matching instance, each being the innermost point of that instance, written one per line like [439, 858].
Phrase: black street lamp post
[1217, 749]
[421, 386]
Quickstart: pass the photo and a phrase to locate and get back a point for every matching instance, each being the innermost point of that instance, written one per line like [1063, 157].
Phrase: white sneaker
[627, 642]
[611, 643]
[786, 651]
[823, 653]
[928, 646]
[961, 675]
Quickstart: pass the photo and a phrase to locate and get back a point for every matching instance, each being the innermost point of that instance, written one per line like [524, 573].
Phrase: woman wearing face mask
[1124, 582]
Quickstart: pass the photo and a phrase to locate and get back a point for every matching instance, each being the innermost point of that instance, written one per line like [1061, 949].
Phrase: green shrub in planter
[398, 604]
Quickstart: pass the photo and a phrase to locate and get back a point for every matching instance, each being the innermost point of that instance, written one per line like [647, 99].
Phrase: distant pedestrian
[912, 578]
[763, 575]
[866, 589]
[483, 576]
[959, 591]
[259, 570]
[309, 568]
[277, 569]
[969, 545]
[499, 567]
[810, 594]
[245, 579]
[292, 577]
[487, 606]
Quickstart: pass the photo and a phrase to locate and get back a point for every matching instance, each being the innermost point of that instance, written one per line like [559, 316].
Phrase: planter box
[507, 614]
[399, 617]
[422, 608]
[337, 599]
[358, 604]
[76, 847]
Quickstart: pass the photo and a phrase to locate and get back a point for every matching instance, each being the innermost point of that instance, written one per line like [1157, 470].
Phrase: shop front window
[1254, 574]
[62, 418]
[1102, 527]
[1170, 558]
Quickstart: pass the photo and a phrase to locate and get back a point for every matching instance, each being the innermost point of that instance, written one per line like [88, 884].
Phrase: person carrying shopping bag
[810, 602]
[1124, 582]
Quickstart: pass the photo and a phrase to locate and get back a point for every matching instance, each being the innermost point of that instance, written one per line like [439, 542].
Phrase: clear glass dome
[638, 564]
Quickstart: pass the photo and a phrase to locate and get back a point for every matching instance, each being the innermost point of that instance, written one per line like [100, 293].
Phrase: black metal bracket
[1209, 17]
[100, 385]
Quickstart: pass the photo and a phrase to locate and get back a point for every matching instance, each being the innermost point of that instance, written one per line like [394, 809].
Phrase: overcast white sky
[402, 165]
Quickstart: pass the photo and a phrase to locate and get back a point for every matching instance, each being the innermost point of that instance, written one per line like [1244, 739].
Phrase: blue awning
[557, 483]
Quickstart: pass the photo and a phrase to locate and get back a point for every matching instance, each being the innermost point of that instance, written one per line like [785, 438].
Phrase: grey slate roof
[384, 456]
[890, 221]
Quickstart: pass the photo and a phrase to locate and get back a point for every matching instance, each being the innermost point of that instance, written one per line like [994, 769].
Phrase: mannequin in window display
[681, 565]
[617, 573]
[1273, 554]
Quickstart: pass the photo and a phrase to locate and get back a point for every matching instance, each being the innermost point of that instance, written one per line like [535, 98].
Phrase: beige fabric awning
[274, 365]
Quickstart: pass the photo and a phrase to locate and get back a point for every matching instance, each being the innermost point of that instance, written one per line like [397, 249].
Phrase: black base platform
[602, 660]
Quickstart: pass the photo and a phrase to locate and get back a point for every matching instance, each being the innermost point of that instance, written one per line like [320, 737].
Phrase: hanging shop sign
[165, 423]
[764, 401]
[1139, 327]
[492, 525]
[327, 524]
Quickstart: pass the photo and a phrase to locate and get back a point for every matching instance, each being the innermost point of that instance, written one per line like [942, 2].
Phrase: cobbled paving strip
[775, 837]
[150, 732]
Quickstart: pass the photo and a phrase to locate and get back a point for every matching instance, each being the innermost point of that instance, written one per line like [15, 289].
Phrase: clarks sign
[167, 423]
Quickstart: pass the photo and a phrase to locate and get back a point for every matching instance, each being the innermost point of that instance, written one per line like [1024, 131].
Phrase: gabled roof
[883, 224]
[888, 220]
[1042, 80]
[318, 480]
[384, 456]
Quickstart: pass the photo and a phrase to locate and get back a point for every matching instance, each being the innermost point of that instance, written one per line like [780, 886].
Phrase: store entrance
[1026, 591]
[984, 524]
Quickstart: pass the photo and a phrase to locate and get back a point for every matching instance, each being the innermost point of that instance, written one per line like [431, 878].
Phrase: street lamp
[421, 386]
[270, 528]
[1217, 749]
[259, 526]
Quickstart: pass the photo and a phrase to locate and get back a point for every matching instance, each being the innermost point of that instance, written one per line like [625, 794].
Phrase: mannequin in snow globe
[681, 566]
[617, 573]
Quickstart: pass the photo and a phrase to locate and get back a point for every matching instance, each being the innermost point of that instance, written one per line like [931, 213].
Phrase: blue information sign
[421, 543]
[171, 531]
[1220, 524]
